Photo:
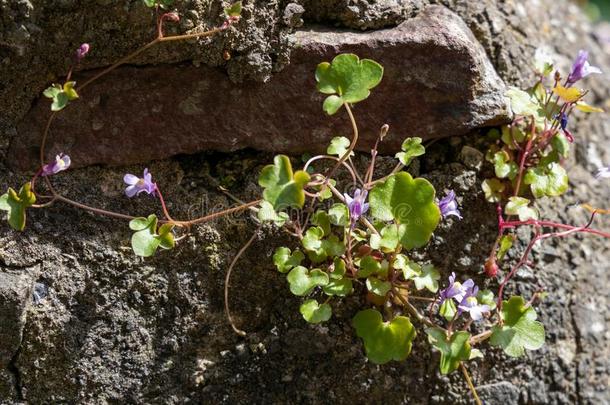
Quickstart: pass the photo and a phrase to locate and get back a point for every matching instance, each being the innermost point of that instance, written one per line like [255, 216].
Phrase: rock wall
[84, 321]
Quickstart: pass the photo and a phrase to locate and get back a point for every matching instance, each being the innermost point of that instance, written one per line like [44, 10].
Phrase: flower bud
[491, 267]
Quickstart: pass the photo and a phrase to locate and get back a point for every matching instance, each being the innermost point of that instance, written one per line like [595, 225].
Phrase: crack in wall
[16, 373]
[579, 351]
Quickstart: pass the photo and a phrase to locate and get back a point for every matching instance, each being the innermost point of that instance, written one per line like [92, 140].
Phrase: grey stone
[502, 393]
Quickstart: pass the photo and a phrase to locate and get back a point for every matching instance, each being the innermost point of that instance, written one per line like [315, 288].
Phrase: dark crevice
[579, 351]
[14, 370]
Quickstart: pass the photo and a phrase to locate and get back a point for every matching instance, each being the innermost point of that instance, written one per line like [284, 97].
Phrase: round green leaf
[347, 79]
[378, 287]
[550, 180]
[520, 330]
[315, 313]
[384, 341]
[302, 281]
[409, 202]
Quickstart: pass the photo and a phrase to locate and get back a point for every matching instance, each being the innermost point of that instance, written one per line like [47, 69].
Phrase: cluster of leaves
[61, 95]
[148, 236]
[15, 204]
[528, 154]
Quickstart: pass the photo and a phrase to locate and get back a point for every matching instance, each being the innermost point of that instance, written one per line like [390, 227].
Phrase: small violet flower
[82, 51]
[137, 185]
[457, 290]
[582, 68]
[62, 162]
[603, 173]
[448, 205]
[472, 306]
[357, 206]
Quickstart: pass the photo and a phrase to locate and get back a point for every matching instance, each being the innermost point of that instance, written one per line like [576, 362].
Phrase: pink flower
[137, 185]
[62, 162]
[82, 51]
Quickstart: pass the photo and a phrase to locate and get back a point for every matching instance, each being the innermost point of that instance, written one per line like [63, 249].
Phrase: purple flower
[62, 162]
[563, 122]
[603, 173]
[457, 290]
[582, 68]
[357, 205]
[448, 205]
[137, 185]
[82, 51]
[471, 305]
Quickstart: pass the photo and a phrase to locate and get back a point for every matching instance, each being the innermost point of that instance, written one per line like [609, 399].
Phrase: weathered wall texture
[114, 328]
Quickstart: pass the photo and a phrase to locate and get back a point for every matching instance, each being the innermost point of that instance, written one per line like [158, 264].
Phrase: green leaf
[428, 279]
[520, 206]
[52, 91]
[504, 166]
[333, 247]
[411, 148]
[389, 237]
[144, 241]
[321, 219]
[378, 287]
[337, 270]
[347, 79]
[486, 297]
[453, 350]
[550, 180]
[342, 287]
[561, 145]
[266, 213]
[448, 310]
[313, 238]
[284, 260]
[384, 341]
[234, 10]
[339, 214]
[69, 90]
[410, 269]
[368, 267]
[166, 237]
[332, 104]
[303, 281]
[15, 204]
[283, 189]
[409, 202]
[315, 313]
[520, 330]
[493, 189]
[339, 146]
[60, 101]
[506, 242]
[512, 136]
[522, 103]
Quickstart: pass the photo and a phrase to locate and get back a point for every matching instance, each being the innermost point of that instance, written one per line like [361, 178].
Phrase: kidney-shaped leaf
[283, 188]
[410, 202]
[520, 330]
[384, 341]
[347, 79]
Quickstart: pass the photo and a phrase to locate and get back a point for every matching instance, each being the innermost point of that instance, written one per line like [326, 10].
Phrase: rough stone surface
[201, 109]
[117, 329]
